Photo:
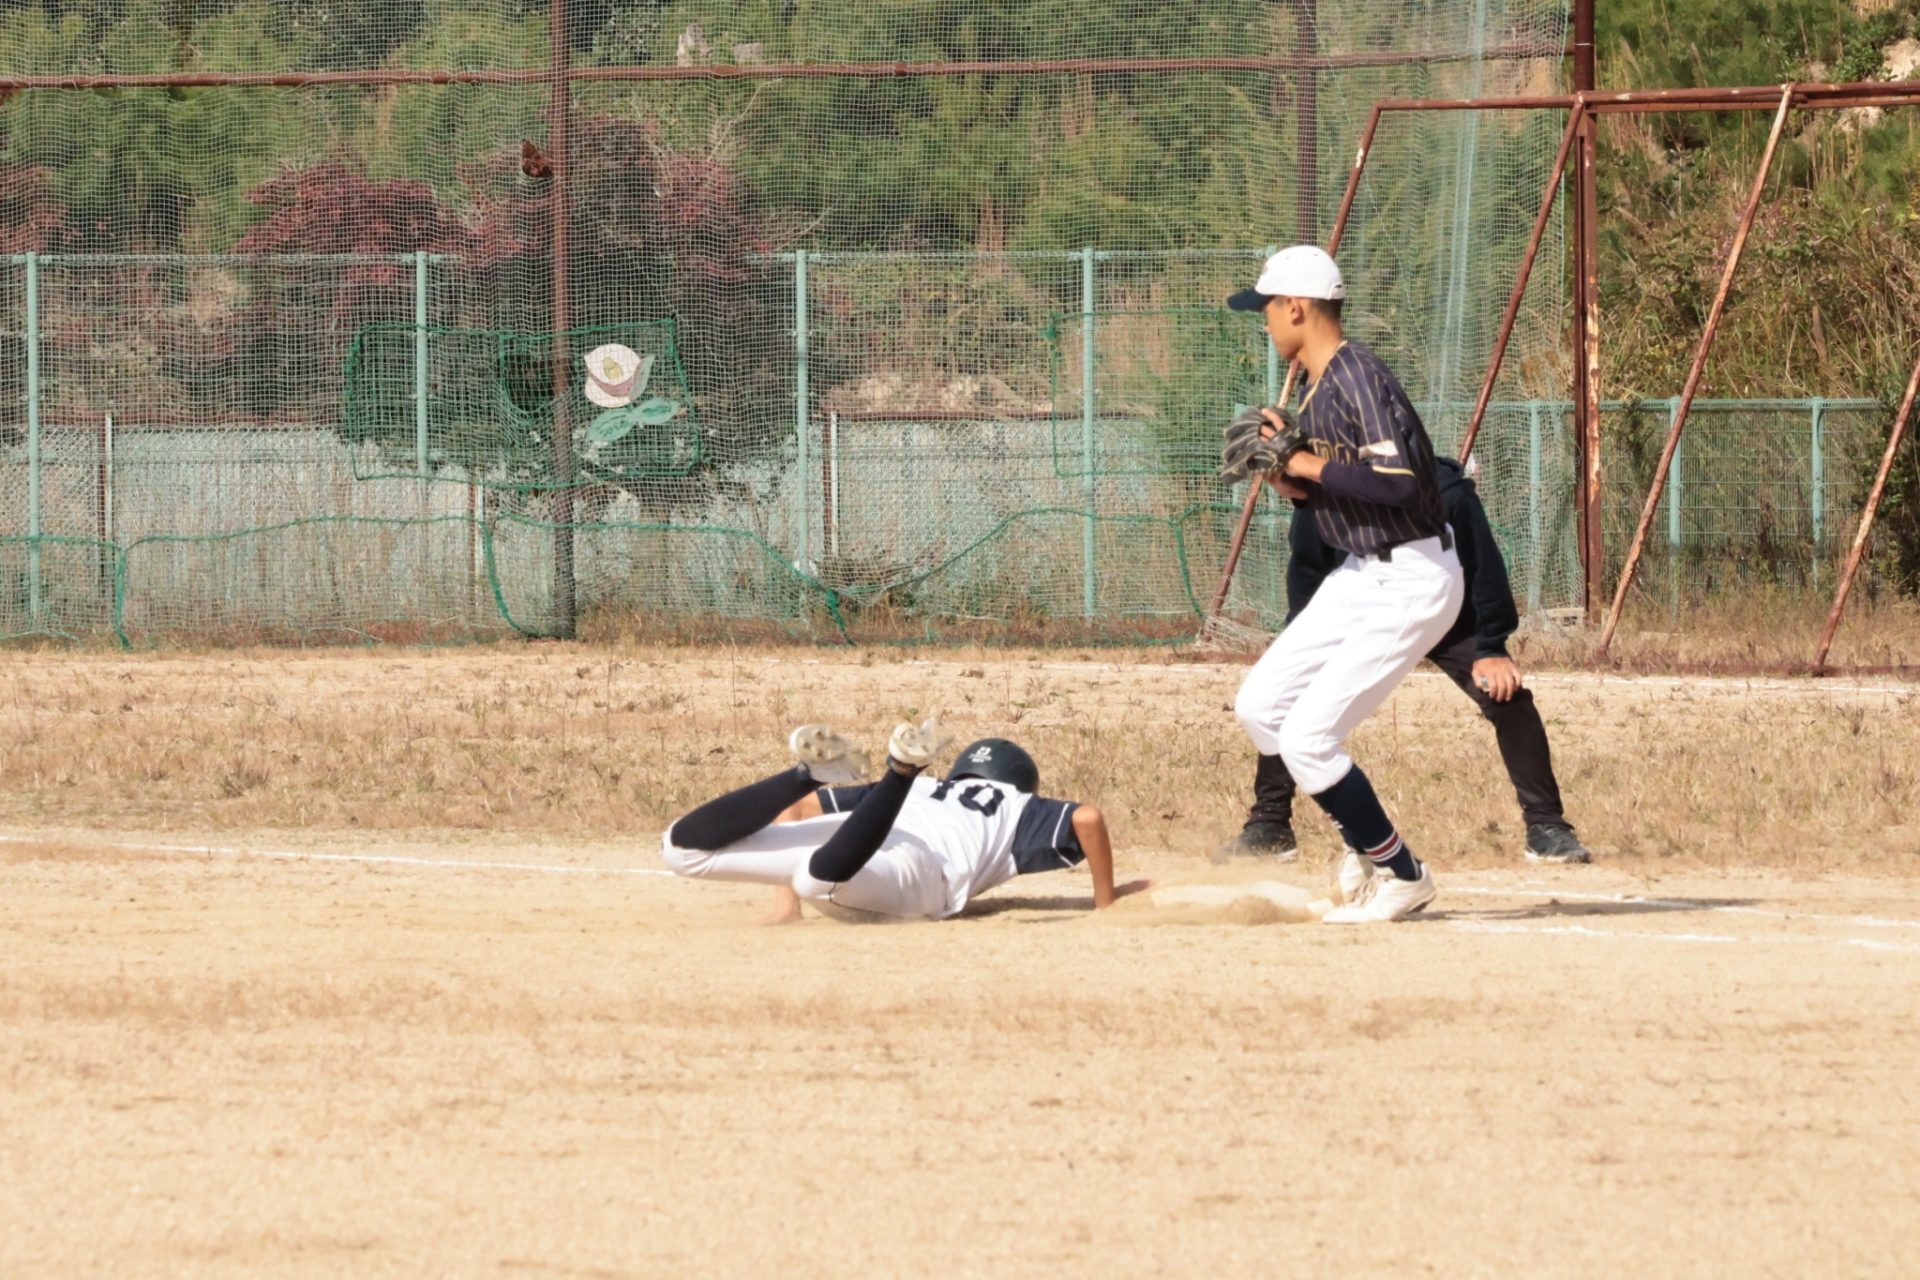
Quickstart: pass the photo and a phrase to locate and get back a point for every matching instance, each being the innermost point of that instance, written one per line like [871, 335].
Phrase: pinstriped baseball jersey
[1379, 488]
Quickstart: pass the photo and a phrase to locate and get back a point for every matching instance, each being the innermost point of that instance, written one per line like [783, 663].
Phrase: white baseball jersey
[950, 842]
[984, 833]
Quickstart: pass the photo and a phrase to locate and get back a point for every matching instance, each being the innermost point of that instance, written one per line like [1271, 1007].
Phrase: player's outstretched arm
[1090, 827]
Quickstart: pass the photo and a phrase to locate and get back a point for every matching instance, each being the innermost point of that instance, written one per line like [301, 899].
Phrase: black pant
[1516, 726]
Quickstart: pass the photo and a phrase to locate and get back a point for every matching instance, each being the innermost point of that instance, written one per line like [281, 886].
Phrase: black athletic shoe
[1547, 843]
[1261, 840]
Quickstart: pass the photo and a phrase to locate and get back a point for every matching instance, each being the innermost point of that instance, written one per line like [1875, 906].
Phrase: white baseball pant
[904, 878]
[1369, 624]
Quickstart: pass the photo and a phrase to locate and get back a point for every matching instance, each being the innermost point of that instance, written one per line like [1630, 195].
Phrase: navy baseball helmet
[998, 760]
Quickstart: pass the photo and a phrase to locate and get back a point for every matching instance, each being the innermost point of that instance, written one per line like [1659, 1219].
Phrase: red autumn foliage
[653, 233]
[332, 208]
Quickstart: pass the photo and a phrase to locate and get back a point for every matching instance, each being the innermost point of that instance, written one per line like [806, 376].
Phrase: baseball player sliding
[1357, 463]
[906, 847]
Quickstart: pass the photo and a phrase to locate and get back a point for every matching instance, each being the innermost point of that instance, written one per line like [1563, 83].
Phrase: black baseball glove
[1254, 447]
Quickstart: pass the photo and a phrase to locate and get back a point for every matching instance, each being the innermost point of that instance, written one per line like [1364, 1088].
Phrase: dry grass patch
[573, 742]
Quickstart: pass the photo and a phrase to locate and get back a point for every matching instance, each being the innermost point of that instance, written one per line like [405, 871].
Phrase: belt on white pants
[1444, 537]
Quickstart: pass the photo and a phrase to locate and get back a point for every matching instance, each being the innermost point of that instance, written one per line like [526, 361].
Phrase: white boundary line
[1681, 904]
[1642, 935]
[374, 859]
[1468, 926]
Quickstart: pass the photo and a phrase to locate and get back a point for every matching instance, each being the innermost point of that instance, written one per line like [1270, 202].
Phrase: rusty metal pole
[1574, 119]
[1692, 385]
[1872, 509]
[559, 117]
[1293, 372]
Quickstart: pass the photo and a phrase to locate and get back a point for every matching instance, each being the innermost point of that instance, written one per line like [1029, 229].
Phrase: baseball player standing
[1358, 463]
[1474, 656]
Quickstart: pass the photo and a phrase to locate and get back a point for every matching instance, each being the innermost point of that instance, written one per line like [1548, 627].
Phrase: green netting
[330, 578]
[727, 573]
[289, 353]
[1761, 493]
[56, 587]
[423, 401]
[661, 571]
[1160, 387]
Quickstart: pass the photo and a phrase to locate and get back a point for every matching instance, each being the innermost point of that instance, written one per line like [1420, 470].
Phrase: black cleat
[1558, 844]
[1261, 840]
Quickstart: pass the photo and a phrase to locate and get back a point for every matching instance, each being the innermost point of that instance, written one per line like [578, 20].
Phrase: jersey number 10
[979, 797]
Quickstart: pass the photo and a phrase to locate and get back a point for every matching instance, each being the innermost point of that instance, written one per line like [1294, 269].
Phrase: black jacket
[1487, 613]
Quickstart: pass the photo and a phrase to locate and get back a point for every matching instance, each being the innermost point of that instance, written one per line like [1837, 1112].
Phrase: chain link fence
[302, 359]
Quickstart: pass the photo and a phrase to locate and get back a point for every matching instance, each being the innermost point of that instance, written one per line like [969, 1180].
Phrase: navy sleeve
[842, 799]
[1044, 839]
[1489, 593]
[1309, 561]
[1383, 475]
[1360, 482]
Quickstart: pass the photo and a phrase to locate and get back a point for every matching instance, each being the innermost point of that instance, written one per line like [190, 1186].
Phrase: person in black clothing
[1473, 653]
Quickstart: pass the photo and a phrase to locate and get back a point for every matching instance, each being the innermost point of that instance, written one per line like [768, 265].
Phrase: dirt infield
[359, 964]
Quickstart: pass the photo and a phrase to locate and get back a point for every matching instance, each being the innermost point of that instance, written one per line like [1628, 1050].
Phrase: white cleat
[918, 745]
[1386, 898]
[831, 760]
[1354, 876]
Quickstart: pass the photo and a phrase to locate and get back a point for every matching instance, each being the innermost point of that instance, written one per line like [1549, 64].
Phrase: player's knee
[683, 862]
[1254, 712]
[1309, 753]
[808, 886]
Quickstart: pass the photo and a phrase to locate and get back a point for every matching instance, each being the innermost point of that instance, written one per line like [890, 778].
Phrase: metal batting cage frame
[1583, 109]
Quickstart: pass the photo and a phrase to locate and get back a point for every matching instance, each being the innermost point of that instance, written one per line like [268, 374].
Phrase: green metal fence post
[1674, 479]
[36, 604]
[420, 372]
[1818, 478]
[1534, 549]
[1086, 424]
[801, 415]
[1563, 424]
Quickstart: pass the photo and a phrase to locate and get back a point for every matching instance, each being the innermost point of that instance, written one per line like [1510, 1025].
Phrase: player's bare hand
[1131, 887]
[1288, 487]
[786, 907]
[1497, 677]
[1304, 466]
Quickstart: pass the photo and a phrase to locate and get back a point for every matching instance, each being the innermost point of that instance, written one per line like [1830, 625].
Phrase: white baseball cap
[1302, 271]
[615, 374]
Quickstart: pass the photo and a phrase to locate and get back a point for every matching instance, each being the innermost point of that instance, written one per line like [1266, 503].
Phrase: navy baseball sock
[858, 838]
[738, 814]
[1356, 810]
